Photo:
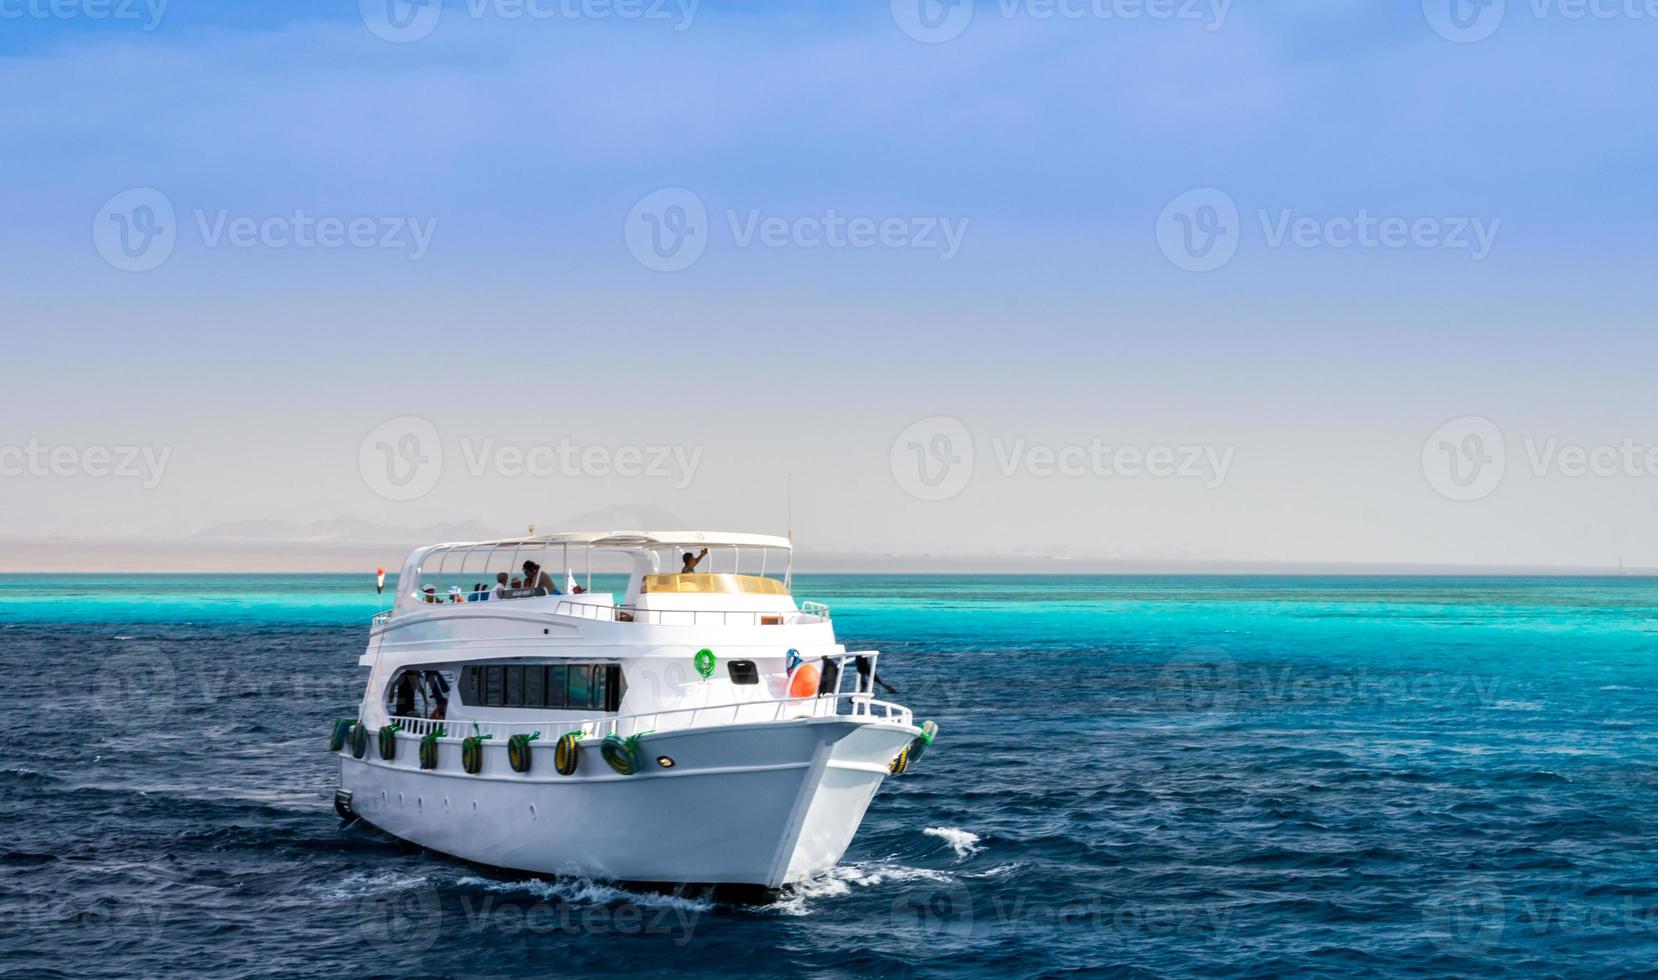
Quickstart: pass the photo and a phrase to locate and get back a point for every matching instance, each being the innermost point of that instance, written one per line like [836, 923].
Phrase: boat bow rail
[862, 707]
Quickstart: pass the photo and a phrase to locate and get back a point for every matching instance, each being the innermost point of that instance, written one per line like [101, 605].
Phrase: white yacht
[703, 727]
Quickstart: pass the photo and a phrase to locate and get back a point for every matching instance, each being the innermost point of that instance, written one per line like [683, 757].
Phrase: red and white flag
[379, 580]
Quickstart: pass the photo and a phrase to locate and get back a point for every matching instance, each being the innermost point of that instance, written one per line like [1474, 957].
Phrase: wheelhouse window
[563, 687]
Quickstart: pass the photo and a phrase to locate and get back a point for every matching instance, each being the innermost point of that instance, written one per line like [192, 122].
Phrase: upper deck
[680, 578]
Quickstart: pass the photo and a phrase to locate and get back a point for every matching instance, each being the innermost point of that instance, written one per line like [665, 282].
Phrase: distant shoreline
[62, 556]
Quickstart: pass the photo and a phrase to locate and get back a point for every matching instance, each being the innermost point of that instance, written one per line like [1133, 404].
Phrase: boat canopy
[454, 564]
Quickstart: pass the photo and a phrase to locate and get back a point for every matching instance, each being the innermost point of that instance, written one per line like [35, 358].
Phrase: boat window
[580, 681]
[419, 694]
[581, 687]
[742, 671]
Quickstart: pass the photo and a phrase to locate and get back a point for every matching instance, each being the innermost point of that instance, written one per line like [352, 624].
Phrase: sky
[1069, 281]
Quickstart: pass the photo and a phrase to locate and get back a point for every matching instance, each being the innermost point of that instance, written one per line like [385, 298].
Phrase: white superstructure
[747, 742]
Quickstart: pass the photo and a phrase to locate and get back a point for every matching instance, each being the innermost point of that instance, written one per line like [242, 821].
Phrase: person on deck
[692, 561]
[536, 578]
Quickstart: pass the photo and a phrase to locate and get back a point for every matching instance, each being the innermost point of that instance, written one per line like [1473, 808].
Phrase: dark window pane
[494, 681]
[580, 686]
[742, 671]
[555, 687]
[613, 690]
[470, 687]
[515, 687]
[601, 674]
[535, 687]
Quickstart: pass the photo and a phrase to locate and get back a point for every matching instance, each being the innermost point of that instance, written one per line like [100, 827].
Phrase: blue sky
[1054, 146]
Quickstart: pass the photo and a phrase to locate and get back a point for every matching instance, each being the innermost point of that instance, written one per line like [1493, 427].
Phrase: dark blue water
[1159, 776]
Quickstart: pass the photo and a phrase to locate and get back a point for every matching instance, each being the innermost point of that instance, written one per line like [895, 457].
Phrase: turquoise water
[1154, 775]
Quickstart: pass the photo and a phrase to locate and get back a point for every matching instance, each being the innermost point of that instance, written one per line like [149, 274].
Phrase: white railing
[817, 613]
[858, 704]
[861, 706]
[809, 613]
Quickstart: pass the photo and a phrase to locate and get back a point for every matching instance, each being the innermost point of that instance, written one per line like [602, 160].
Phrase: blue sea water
[1151, 776]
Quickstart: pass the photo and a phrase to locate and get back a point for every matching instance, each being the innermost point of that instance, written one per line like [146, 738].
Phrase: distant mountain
[345, 531]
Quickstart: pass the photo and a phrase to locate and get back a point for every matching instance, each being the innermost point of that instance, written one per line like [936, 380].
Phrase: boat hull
[762, 804]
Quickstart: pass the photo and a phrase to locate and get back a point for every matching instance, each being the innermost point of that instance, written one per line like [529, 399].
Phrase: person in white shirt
[500, 584]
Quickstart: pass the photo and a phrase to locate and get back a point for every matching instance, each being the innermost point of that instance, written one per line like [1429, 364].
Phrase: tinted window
[579, 688]
[515, 687]
[575, 687]
[742, 671]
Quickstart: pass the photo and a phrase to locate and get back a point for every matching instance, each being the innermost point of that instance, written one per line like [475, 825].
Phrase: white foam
[364, 884]
[588, 891]
[840, 880]
[964, 842]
